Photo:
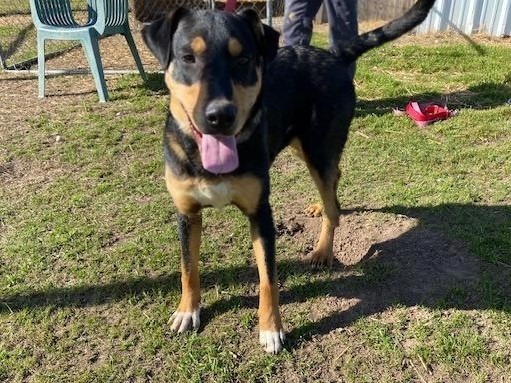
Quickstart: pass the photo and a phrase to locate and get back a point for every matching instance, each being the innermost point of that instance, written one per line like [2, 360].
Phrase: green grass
[89, 270]
[22, 7]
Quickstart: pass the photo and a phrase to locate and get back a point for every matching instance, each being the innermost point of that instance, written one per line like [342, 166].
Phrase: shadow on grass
[15, 45]
[423, 266]
[155, 82]
[481, 96]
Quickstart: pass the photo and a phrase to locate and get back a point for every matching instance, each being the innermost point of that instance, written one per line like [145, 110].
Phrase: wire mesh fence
[18, 46]
[18, 49]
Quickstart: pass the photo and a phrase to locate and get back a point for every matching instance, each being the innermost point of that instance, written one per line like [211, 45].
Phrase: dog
[236, 101]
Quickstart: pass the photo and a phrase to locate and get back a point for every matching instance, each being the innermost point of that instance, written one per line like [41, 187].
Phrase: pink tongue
[219, 153]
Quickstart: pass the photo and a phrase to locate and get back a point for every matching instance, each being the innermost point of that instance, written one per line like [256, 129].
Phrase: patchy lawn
[89, 270]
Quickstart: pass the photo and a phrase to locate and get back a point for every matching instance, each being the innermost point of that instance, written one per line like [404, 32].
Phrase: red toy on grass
[425, 114]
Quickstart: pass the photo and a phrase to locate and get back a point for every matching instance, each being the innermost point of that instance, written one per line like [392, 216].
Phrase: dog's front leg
[271, 334]
[188, 311]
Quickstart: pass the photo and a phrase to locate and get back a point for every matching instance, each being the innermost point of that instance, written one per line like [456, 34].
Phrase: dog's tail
[390, 31]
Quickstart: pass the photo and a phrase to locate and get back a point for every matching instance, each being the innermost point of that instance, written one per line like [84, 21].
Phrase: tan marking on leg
[247, 193]
[323, 253]
[180, 193]
[198, 45]
[269, 314]
[234, 46]
[176, 147]
[190, 296]
[187, 315]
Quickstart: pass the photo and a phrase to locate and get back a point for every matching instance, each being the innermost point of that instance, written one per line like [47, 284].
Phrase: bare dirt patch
[385, 261]
[370, 234]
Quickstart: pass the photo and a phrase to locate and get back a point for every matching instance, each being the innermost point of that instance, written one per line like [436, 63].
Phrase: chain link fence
[18, 46]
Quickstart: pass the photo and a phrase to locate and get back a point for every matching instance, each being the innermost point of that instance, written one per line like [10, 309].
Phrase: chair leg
[91, 47]
[134, 52]
[40, 64]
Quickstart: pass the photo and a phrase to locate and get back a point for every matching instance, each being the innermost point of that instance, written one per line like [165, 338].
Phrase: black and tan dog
[235, 103]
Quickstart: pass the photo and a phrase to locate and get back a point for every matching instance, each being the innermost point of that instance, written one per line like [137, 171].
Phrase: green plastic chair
[54, 20]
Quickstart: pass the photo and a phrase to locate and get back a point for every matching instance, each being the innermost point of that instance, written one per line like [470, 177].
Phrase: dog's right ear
[267, 38]
[158, 35]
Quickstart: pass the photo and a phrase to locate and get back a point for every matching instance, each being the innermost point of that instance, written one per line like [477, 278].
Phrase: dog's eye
[188, 59]
[243, 60]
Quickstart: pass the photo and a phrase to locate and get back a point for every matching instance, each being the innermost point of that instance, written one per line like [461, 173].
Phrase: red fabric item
[230, 5]
[426, 114]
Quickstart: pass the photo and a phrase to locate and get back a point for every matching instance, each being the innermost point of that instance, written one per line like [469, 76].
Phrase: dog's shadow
[422, 266]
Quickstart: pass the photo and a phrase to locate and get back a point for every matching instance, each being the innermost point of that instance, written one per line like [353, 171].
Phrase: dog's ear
[158, 35]
[267, 38]
[271, 42]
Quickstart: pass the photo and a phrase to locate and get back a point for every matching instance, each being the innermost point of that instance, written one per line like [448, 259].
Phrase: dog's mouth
[219, 154]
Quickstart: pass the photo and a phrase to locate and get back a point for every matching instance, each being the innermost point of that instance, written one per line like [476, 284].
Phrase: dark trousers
[342, 20]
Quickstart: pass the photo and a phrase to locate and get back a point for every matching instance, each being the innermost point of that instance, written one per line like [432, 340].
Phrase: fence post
[269, 11]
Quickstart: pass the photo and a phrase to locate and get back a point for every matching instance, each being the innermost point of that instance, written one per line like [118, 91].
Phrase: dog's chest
[216, 195]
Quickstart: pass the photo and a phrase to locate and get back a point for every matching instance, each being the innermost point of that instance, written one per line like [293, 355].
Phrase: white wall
[492, 17]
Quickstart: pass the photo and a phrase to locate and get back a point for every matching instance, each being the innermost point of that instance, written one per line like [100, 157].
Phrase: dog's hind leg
[314, 210]
[327, 183]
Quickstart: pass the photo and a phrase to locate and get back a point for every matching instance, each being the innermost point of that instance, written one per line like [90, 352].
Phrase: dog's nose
[220, 115]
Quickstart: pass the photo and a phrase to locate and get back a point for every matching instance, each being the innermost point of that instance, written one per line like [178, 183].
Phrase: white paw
[272, 341]
[183, 321]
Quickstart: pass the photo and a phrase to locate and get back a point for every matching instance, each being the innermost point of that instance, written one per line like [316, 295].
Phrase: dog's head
[213, 64]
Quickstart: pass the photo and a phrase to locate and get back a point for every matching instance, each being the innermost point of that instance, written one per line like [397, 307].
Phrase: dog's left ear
[267, 38]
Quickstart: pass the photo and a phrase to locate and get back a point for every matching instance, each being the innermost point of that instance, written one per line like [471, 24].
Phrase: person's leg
[298, 17]
[343, 23]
